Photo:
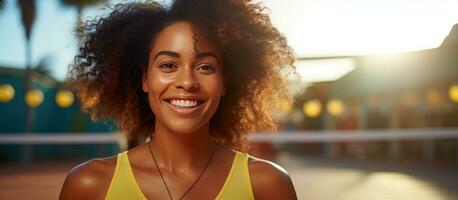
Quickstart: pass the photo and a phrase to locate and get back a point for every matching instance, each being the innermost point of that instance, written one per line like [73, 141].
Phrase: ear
[145, 81]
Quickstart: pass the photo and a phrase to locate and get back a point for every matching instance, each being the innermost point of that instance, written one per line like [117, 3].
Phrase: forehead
[182, 37]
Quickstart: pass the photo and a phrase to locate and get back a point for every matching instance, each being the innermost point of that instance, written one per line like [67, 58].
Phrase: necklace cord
[194, 183]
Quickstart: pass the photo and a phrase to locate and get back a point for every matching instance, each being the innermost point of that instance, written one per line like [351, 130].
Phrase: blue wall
[49, 118]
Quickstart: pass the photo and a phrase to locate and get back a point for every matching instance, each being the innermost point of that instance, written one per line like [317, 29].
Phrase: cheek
[215, 87]
[157, 84]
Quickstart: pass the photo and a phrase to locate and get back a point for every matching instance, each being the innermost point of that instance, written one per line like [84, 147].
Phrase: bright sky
[313, 28]
[349, 27]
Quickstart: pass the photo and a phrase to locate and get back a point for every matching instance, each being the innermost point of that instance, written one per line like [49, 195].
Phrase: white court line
[60, 138]
[282, 137]
[362, 135]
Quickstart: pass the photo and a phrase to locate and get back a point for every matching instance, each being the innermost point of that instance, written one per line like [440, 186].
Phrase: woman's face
[184, 80]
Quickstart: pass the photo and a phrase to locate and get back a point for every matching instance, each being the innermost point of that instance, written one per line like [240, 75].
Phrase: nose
[186, 80]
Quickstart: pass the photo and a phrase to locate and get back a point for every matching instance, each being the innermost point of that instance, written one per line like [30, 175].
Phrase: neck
[181, 152]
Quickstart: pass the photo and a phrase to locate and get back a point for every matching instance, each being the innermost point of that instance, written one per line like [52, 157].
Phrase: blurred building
[54, 113]
[393, 91]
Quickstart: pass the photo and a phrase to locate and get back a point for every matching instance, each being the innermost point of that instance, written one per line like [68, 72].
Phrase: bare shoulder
[266, 175]
[89, 180]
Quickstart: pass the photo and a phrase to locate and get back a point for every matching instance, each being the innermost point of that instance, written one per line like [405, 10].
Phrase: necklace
[198, 178]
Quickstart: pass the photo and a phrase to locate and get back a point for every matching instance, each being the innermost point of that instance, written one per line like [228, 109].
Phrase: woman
[193, 79]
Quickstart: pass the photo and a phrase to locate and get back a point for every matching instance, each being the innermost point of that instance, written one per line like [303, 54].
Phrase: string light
[312, 108]
[64, 98]
[34, 98]
[335, 107]
[6, 93]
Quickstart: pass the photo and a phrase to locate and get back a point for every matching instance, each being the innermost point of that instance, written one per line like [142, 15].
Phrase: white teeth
[184, 103]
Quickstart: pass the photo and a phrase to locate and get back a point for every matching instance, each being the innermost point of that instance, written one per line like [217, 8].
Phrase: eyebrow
[167, 53]
[197, 55]
[205, 54]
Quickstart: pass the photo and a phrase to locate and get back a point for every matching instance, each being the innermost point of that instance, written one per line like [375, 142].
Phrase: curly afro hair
[107, 71]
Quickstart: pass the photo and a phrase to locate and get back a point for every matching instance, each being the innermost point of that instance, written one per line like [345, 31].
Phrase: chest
[207, 187]
[221, 181]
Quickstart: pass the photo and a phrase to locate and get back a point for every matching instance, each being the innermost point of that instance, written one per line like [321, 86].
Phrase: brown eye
[168, 67]
[206, 68]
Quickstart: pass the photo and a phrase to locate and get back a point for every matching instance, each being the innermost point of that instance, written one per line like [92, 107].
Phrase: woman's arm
[270, 181]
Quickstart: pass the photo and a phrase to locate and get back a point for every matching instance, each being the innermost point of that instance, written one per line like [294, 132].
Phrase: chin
[185, 126]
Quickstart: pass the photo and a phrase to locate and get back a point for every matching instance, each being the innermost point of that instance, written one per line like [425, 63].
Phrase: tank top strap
[123, 184]
[245, 174]
[238, 185]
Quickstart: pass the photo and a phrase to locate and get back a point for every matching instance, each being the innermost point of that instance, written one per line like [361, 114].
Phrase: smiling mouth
[184, 103]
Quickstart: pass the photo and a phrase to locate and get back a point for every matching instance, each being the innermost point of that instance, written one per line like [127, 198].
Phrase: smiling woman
[184, 86]
[190, 81]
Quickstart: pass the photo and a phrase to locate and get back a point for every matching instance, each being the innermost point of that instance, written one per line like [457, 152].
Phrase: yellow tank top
[237, 184]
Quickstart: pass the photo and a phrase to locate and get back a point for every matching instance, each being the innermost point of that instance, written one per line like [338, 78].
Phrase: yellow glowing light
[434, 97]
[286, 106]
[312, 108]
[453, 93]
[34, 97]
[335, 107]
[64, 98]
[6, 93]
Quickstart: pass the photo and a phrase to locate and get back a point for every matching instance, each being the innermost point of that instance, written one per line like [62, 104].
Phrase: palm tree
[28, 13]
[2, 4]
[80, 6]
[43, 66]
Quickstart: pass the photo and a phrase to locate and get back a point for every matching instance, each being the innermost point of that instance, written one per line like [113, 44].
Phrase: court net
[322, 164]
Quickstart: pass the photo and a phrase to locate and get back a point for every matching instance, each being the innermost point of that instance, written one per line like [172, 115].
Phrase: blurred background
[375, 110]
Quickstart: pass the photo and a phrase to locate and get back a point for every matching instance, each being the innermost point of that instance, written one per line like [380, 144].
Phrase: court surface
[314, 179]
